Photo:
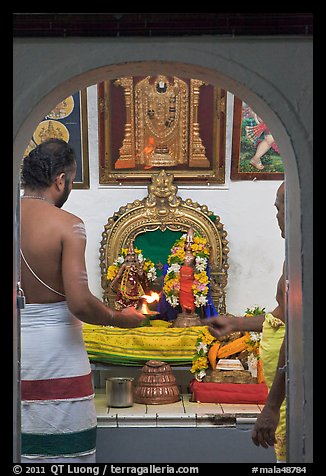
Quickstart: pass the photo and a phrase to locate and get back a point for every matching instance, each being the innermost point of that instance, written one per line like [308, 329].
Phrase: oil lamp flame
[145, 300]
[152, 297]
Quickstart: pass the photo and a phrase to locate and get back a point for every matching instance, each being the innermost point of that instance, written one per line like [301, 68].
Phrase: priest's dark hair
[45, 162]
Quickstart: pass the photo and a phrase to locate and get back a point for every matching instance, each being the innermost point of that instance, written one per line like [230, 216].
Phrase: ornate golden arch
[162, 209]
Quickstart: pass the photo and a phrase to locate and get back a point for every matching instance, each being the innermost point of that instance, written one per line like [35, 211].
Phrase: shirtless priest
[58, 420]
[270, 427]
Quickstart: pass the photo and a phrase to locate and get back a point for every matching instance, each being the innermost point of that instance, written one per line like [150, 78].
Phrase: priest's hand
[263, 433]
[226, 323]
[129, 317]
[222, 325]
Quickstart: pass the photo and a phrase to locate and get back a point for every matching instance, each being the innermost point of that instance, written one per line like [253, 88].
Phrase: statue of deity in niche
[131, 281]
[186, 296]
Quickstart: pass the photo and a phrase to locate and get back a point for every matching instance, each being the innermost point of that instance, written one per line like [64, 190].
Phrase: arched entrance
[250, 70]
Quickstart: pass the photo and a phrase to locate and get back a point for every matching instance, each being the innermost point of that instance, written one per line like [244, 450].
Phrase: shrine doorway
[250, 69]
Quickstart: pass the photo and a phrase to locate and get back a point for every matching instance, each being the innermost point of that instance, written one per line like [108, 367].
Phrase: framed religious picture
[255, 154]
[68, 121]
[151, 123]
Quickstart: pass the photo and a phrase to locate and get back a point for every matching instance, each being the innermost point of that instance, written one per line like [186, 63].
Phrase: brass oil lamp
[143, 307]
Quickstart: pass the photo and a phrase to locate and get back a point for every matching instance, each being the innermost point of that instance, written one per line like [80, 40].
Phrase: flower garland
[149, 267]
[171, 285]
[253, 343]
[200, 361]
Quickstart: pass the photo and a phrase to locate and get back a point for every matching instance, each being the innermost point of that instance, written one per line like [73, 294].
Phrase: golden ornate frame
[127, 164]
[163, 209]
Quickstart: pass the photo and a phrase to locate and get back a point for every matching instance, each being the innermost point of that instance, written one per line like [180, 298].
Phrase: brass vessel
[156, 384]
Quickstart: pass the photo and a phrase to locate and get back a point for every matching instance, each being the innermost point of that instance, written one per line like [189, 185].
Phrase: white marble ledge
[179, 414]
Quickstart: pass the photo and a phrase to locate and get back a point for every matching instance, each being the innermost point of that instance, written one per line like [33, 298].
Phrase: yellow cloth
[160, 323]
[175, 346]
[270, 344]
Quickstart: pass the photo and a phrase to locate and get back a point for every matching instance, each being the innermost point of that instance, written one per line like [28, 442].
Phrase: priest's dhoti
[272, 339]
[58, 420]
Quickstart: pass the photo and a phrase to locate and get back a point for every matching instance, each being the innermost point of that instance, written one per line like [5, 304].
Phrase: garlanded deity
[131, 281]
[187, 270]
[186, 282]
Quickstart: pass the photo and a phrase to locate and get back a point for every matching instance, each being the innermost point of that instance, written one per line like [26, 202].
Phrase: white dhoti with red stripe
[58, 420]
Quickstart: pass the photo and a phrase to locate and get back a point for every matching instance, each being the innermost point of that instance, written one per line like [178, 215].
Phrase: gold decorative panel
[161, 122]
[162, 209]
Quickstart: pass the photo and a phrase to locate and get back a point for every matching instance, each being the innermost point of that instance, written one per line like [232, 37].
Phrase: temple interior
[160, 153]
[180, 197]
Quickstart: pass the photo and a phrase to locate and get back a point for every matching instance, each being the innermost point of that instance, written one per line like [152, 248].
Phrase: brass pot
[187, 320]
[156, 384]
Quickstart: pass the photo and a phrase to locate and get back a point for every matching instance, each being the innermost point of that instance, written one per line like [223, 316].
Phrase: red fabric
[229, 392]
[186, 296]
[57, 388]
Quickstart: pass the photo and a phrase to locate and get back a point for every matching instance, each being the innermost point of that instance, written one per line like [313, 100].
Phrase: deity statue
[186, 296]
[186, 281]
[131, 281]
